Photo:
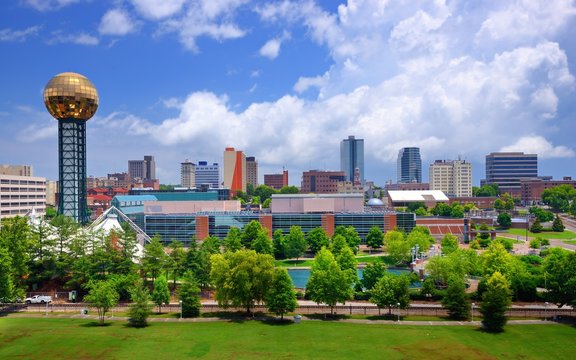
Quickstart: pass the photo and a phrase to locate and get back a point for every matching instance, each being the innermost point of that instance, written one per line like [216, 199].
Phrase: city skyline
[286, 81]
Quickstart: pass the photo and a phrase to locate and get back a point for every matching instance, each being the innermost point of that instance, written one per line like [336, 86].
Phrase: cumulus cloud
[7, 35]
[116, 22]
[539, 145]
[155, 10]
[271, 49]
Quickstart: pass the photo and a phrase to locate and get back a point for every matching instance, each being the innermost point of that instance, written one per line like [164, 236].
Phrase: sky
[285, 81]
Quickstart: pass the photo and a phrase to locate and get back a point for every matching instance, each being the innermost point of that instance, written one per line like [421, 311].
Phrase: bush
[536, 226]
[557, 225]
[504, 220]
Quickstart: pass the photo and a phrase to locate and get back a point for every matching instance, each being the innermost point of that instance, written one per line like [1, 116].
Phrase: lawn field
[566, 234]
[27, 338]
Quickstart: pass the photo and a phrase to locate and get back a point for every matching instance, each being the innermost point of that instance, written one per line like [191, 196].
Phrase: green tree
[189, 294]
[278, 243]
[449, 244]
[495, 302]
[505, 202]
[295, 243]
[372, 273]
[6, 280]
[264, 192]
[456, 210]
[347, 261]
[241, 278]
[559, 197]
[488, 190]
[266, 204]
[250, 233]
[375, 238]
[541, 214]
[328, 283]
[397, 247]
[291, 189]
[161, 293]
[65, 230]
[456, 301]
[536, 226]
[420, 236]
[281, 298]
[317, 239]
[338, 244]
[557, 225]
[176, 261]
[141, 307]
[391, 291]
[560, 274]
[504, 220]
[441, 209]
[233, 240]
[15, 236]
[413, 206]
[428, 288]
[103, 296]
[263, 244]
[154, 258]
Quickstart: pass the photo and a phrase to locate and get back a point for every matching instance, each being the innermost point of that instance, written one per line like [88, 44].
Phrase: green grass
[545, 234]
[294, 263]
[25, 338]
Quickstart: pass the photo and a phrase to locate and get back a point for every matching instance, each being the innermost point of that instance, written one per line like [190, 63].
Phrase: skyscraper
[207, 174]
[454, 178]
[352, 157]
[142, 169]
[409, 165]
[188, 174]
[505, 169]
[72, 100]
[252, 171]
[234, 170]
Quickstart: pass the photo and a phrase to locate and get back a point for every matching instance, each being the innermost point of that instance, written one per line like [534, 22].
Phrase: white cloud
[155, 10]
[116, 22]
[18, 35]
[534, 144]
[271, 49]
[48, 5]
[304, 83]
[59, 37]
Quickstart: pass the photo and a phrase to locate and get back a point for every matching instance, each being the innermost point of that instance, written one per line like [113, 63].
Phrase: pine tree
[141, 307]
[189, 294]
[557, 225]
[495, 301]
[281, 297]
[456, 301]
[536, 227]
[161, 292]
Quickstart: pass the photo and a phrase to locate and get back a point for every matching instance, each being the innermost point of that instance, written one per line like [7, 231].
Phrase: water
[300, 276]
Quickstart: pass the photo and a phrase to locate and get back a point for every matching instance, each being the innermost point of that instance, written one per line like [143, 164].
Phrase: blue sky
[286, 81]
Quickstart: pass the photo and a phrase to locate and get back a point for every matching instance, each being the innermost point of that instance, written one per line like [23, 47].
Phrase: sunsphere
[70, 96]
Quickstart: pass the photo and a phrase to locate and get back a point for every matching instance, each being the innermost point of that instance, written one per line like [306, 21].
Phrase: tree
[295, 243]
[154, 258]
[233, 240]
[264, 192]
[456, 301]
[397, 246]
[328, 283]
[441, 209]
[189, 294]
[350, 235]
[241, 278]
[375, 238]
[15, 237]
[347, 261]
[391, 291]
[505, 202]
[317, 239]
[560, 273]
[140, 309]
[420, 236]
[488, 190]
[504, 220]
[541, 214]
[6, 281]
[495, 301]
[559, 197]
[557, 225]
[176, 261]
[281, 298]
[263, 244]
[536, 226]
[338, 244]
[161, 293]
[449, 244]
[266, 203]
[413, 206]
[456, 210]
[289, 189]
[250, 233]
[278, 243]
[372, 273]
[103, 296]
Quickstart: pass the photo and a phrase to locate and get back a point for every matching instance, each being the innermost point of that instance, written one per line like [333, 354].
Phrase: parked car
[38, 299]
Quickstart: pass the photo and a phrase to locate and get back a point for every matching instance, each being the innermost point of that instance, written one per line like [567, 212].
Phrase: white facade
[20, 194]
[454, 178]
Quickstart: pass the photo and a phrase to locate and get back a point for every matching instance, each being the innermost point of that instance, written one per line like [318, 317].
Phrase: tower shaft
[72, 168]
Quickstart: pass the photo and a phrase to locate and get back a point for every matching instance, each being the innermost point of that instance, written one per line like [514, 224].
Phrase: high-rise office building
[352, 157]
[252, 171]
[321, 182]
[207, 174]
[276, 181]
[188, 174]
[234, 170]
[454, 178]
[142, 169]
[505, 169]
[409, 165]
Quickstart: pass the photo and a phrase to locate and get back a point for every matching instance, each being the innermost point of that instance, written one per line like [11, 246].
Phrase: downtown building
[507, 169]
[409, 165]
[234, 170]
[252, 171]
[454, 178]
[21, 194]
[188, 174]
[352, 159]
[276, 181]
[321, 182]
[208, 174]
[142, 169]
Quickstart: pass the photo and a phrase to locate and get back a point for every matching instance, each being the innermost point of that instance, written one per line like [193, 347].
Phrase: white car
[38, 299]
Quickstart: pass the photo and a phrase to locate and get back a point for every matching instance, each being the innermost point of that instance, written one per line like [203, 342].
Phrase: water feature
[300, 276]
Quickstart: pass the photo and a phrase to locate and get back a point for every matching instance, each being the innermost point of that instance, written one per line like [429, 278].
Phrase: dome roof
[70, 96]
[375, 202]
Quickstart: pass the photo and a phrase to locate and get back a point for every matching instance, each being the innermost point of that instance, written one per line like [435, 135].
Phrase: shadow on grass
[96, 324]
[328, 317]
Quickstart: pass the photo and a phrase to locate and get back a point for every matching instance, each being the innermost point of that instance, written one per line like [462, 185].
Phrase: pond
[300, 276]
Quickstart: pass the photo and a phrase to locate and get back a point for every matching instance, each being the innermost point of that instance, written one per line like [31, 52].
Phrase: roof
[312, 195]
[100, 197]
[125, 198]
[416, 195]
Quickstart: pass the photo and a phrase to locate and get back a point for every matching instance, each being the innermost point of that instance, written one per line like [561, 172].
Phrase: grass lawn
[545, 234]
[25, 338]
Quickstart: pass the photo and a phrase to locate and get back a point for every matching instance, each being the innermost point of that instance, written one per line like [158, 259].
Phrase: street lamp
[398, 304]
[473, 304]
[180, 309]
[545, 308]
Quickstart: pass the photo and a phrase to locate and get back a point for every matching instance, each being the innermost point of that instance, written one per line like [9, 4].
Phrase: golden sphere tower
[72, 100]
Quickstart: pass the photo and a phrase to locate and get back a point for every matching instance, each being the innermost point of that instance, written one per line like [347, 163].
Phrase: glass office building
[409, 165]
[505, 169]
[352, 157]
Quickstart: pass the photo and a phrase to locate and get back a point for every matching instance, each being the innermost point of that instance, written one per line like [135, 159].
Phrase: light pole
[473, 304]
[545, 309]
[398, 304]
[180, 309]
